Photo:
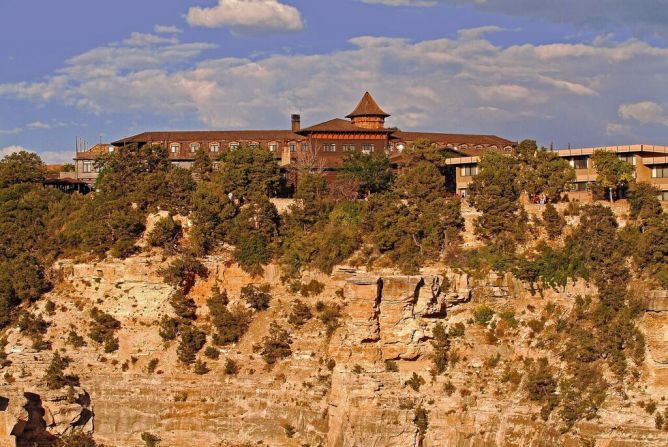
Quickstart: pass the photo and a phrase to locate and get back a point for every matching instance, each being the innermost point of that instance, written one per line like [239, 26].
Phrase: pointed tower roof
[367, 107]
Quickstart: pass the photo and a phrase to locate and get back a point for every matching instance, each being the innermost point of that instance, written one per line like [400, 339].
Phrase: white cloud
[240, 15]
[38, 125]
[477, 33]
[12, 131]
[566, 92]
[165, 29]
[48, 157]
[646, 112]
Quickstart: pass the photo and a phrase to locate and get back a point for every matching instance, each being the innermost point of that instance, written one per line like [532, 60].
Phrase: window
[660, 171]
[493, 147]
[175, 148]
[87, 166]
[469, 170]
[254, 145]
[348, 147]
[663, 196]
[367, 148]
[401, 147]
[194, 147]
[111, 148]
[580, 162]
[234, 146]
[329, 147]
[629, 158]
[214, 147]
[293, 147]
[304, 147]
[273, 147]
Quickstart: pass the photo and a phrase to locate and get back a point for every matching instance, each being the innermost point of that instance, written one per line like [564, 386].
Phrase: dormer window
[293, 147]
[214, 147]
[304, 147]
[194, 147]
[273, 147]
[367, 148]
[254, 145]
[234, 146]
[174, 148]
[111, 149]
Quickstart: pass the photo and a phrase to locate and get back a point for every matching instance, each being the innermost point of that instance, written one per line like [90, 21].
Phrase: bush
[276, 345]
[169, 328]
[76, 439]
[441, 346]
[102, 329]
[553, 222]
[150, 439]
[231, 367]
[391, 366]
[212, 353]
[329, 315]
[55, 377]
[192, 341]
[257, 298]
[184, 306]
[457, 330]
[201, 368]
[300, 314]
[165, 234]
[483, 315]
[415, 382]
[183, 272]
[152, 365]
[230, 325]
[541, 386]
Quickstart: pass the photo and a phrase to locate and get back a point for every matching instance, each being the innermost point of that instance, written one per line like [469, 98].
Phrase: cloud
[643, 17]
[247, 15]
[477, 33]
[163, 29]
[12, 131]
[646, 112]
[561, 91]
[48, 157]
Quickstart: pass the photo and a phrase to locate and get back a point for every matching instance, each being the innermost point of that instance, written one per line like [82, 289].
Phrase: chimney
[296, 123]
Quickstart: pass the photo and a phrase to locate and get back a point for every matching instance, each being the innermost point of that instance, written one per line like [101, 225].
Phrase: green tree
[553, 222]
[612, 172]
[21, 167]
[644, 202]
[371, 171]
[76, 439]
[212, 216]
[202, 165]
[495, 193]
[166, 234]
[541, 171]
[249, 171]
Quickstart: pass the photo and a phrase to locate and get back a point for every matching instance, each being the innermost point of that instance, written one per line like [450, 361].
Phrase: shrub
[152, 365]
[183, 272]
[541, 386]
[102, 329]
[231, 367]
[183, 305]
[55, 377]
[300, 314]
[312, 288]
[201, 368]
[483, 315]
[391, 366]
[441, 346]
[415, 382]
[329, 315]
[165, 234]
[553, 222]
[76, 439]
[643, 201]
[457, 330]
[192, 341]
[257, 298]
[421, 421]
[276, 345]
[230, 325]
[150, 439]
[169, 328]
[212, 353]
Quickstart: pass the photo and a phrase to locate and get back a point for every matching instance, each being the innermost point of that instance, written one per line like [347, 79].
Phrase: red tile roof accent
[456, 140]
[340, 125]
[93, 152]
[367, 107]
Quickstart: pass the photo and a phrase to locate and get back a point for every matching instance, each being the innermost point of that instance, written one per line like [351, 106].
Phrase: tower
[368, 114]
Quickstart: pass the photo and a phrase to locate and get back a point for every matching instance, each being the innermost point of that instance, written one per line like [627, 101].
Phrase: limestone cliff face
[334, 391]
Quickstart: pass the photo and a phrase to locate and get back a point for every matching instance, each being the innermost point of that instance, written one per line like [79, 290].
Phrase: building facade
[324, 146]
[650, 165]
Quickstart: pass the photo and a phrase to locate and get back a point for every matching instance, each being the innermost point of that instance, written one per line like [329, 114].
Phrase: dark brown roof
[210, 135]
[340, 125]
[455, 139]
[367, 107]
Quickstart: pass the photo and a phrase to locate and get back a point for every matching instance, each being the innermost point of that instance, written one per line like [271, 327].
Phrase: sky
[578, 72]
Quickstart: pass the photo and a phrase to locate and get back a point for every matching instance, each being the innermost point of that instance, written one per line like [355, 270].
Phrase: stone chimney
[296, 123]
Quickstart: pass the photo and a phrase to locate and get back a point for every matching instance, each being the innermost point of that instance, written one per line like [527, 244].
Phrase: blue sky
[580, 72]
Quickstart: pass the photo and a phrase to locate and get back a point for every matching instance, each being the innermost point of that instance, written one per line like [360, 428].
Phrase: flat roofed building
[650, 164]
